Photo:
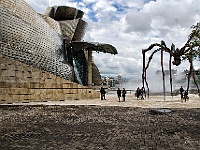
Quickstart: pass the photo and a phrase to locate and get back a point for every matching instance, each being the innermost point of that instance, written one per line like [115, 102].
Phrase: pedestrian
[124, 94]
[103, 93]
[181, 92]
[138, 92]
[119, 94]
[186, 95]
[142, 92]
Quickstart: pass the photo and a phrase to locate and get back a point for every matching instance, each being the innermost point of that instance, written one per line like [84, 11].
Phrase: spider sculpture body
[189, 51]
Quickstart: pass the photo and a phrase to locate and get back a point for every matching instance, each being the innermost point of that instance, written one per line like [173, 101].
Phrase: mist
[156, 83]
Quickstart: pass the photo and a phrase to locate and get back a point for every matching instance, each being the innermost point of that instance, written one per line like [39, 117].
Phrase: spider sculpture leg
[163, 73]
[144, 76]
[162, 47]
[170, 73]
[145, 68]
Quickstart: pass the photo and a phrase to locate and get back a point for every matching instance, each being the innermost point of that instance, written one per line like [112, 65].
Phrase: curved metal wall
[25, 36]
[68, 28]
[54, 24]
[67, 13]
[80, 31]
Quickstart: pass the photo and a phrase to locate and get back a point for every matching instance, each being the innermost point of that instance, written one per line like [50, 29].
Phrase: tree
[193, 44]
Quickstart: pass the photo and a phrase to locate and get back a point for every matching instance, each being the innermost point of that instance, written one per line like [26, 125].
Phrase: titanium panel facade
[28, 38]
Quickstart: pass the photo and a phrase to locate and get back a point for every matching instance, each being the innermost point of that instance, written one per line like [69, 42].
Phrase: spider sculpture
[189, 51]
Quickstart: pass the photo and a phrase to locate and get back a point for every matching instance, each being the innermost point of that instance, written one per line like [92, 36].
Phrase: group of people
[103, 93]
[121, 93]
[140, 92]
[184, 94]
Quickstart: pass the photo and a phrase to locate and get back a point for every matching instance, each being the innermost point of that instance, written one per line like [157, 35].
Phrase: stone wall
[24, 83]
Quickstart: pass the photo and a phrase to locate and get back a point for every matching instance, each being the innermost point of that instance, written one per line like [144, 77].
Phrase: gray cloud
[138, 22]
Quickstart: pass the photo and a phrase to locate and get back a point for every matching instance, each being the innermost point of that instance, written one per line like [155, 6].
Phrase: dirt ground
[92, 127]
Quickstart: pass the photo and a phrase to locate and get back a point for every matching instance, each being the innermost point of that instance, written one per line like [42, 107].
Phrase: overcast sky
[130, 26]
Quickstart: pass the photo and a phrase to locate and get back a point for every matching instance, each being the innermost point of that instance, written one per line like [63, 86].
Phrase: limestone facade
[24, 83]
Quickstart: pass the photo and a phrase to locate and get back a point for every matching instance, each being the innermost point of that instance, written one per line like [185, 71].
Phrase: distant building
[167, 72]
[109, 81]
[196, 72]
[119, 79]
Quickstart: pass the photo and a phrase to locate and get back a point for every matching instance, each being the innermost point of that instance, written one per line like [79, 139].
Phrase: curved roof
[98, 47]
[59, 13]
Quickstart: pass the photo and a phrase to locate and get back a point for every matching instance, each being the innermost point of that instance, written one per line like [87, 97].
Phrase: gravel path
[102, 124]
[74, 127]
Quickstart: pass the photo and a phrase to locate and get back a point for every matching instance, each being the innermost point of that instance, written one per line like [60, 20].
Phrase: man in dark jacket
[124, 94]
[103, 93]
[142, 92]
[181, 92]
[119, 94]
[138, 92]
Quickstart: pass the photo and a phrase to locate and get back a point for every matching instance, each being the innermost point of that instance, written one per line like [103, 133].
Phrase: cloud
[38, 6]
[131, 26]
[138, 22]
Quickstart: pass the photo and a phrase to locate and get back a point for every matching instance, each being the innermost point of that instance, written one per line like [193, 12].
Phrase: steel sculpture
[190, 51]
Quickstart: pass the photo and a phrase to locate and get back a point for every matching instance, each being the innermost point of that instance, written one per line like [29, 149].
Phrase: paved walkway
[131, 101]
[86, 125]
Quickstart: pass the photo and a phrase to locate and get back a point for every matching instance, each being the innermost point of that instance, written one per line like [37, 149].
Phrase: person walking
[124, 94]
[185, 95]
[119, 94]
[181, 92]
[103, 93]
[142, 92]
[138, 92]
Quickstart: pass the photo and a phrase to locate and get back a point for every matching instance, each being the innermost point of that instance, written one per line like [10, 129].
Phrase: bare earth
[102, 124]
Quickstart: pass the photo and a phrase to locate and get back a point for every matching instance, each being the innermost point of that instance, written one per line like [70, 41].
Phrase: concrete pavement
[131, 101]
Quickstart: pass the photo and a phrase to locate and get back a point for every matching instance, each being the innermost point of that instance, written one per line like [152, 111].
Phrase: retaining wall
[24, 83]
